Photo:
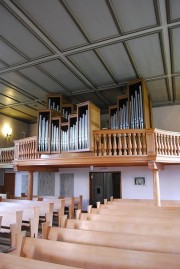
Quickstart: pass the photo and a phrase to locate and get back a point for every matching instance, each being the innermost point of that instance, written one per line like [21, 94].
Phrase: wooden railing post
[150, 140]
[30, 186]
[155, 168]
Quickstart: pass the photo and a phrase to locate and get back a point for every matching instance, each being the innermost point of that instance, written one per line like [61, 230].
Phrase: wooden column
[155, 168]
[30, 186]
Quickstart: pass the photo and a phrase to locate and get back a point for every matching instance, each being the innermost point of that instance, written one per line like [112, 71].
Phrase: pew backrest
[8, 261]
[163, 244]
[87, 256]
[133, 219]
[124, 227]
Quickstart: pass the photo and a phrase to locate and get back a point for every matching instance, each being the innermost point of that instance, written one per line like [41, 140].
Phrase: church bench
[137, 211]
[59, 204]
[71, 203]
[88, 256]
[133, 219]
[124, 227]
[163, 244]
[45, 208]
[11, 224]
[8, 261]
[30, 215]
[142, 202]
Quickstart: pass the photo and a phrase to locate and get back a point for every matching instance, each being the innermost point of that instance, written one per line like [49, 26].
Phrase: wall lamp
[7, 131]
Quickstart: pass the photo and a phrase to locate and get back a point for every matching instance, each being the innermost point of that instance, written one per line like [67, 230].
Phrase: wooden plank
[87, 256]
[124, 227]
[163, 244]
[8, 261]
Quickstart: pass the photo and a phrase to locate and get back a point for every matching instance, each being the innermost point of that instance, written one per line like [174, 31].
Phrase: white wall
[169, 182]
[167, 118]
[18, 130]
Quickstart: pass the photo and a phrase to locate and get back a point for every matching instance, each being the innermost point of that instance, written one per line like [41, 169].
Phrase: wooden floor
[4, 244]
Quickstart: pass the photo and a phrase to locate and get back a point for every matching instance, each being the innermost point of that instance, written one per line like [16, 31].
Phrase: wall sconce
[7, 131]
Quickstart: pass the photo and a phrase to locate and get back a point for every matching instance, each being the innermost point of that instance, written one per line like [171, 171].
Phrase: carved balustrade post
[174, 145]
[114, 145]
[95, 145]
[129, 144]
[171, 145]
[134, 144]
[124, 144]
[119, 145]
[160, 145]
[105, 145]
[178, 145]
[165, 144]
[109, 145]
[100, 146]
[139, 145]
[144, 148]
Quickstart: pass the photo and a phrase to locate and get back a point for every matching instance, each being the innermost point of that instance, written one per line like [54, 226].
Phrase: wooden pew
[132, 219]
[124, 227]
[163, 244]
[45, 208]
[72, 203]
[138, 211]
[59, 206]
[88, 256]
[11, 224]
[30, 215]
[8, 261]
[142, 202]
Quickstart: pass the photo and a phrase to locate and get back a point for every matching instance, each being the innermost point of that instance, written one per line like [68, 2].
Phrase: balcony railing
[136, 142]
[146, 144]
[6, 155]
[26, 149]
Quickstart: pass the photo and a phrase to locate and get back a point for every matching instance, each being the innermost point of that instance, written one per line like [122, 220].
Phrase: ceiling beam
[62, 55]
[18, 13]
[165, 45]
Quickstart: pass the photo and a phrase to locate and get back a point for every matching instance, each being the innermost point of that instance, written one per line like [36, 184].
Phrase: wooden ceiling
[86, 50]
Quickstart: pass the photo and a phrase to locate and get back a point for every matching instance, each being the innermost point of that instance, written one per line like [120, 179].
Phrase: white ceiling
[86, 50]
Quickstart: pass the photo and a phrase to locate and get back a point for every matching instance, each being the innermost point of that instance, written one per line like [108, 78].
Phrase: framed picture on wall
[139, 181]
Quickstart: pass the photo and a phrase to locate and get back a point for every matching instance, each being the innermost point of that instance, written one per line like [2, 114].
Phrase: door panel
[104, 185]
[9, 183]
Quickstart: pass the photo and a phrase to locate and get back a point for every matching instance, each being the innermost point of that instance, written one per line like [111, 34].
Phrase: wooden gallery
[89, 134]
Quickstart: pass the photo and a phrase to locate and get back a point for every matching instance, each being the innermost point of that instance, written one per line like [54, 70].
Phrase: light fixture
[7, 131]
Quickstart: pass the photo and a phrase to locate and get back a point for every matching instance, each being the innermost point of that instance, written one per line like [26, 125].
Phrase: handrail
[150, 142]
[26, 148]
[6, 155]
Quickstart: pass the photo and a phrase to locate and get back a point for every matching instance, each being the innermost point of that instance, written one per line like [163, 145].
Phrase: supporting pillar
[30, 186]
[156, 167]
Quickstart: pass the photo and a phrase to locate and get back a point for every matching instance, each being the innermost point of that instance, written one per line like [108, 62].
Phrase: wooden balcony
[6, 157]
[128, 147]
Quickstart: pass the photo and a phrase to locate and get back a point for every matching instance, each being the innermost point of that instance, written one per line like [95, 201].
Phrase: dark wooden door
[9, 183]
[103, 185]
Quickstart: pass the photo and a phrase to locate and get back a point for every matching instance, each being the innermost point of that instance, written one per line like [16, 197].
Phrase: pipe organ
[133, 110]
[66, 127]
[66, 130]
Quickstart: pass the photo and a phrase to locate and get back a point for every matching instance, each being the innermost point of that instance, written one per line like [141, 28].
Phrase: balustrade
[167, 143]
[120, 142]
[26, 149]
[136, 142]
[117, 142]
[6, 155]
